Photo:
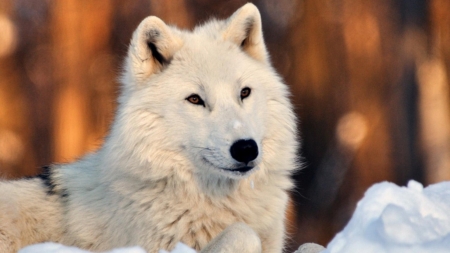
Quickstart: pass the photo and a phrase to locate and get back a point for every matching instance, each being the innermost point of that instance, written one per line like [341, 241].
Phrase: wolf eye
[195, 99]
[245, 92]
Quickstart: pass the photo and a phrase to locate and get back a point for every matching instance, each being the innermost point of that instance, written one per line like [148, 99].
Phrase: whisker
[205, 148]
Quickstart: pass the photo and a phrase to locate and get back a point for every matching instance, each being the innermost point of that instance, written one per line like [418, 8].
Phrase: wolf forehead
[205, 51]
[204, 61]
[154, 44]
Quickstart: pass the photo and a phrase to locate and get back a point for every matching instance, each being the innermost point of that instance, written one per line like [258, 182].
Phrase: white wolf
[201, 151]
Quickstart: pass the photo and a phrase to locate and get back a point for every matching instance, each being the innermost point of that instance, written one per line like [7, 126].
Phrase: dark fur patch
[153, 36]
[248, 26]
[65, 194]
[179, 218]
[156, 54]
[30, 177]
[46, 177]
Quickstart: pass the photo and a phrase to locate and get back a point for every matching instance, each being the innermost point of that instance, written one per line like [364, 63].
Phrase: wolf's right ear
[152, 46]
[245, 30]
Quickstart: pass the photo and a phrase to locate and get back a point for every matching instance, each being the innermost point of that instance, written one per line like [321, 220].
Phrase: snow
[397, 219]
[389, 219]
[50, 247]
[58, 248]
[180, 248]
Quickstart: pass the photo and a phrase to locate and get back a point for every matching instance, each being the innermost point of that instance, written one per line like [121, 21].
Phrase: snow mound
[58, 248]
[180, 248]
[397, 219]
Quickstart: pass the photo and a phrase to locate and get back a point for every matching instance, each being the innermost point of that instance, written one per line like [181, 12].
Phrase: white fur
[160, 176]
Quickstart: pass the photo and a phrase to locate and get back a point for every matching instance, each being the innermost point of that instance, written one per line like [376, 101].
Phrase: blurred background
[370, 81]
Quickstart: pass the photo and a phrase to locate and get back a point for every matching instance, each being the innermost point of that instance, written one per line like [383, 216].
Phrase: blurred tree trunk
[19, 102]
[439, 15]
[433, 75]
[358, 95]
[81, 32]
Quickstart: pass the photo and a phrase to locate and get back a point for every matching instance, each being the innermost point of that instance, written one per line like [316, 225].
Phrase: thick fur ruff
[170, 169]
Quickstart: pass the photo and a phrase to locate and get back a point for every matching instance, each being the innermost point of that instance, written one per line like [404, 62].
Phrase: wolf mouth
[240, 170]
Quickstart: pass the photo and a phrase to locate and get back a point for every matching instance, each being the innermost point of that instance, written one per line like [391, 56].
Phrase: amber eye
[195, 99]
[245, 92]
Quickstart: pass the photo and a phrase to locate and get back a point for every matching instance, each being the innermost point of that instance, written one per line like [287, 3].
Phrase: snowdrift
[398, 219]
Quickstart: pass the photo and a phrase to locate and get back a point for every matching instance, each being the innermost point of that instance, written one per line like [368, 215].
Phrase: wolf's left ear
[244, 29]
[152, 47]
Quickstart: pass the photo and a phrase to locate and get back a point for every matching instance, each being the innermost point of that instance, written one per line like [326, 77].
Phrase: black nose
[244, 150]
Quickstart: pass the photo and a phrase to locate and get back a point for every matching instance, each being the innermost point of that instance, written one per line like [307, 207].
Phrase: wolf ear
[152, 47]
[244, 29]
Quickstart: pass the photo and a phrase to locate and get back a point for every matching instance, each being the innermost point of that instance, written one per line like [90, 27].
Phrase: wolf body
[201, 151]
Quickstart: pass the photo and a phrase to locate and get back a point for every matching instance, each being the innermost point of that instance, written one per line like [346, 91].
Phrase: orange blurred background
[370, 81]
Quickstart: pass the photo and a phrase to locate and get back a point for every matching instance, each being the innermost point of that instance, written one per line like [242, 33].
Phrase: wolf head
[205, 103]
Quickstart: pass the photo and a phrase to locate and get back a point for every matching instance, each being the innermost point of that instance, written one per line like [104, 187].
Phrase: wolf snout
[244, 151]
